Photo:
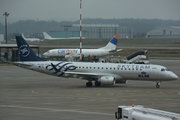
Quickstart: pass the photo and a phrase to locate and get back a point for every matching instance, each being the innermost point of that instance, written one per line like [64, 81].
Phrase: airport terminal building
[164, 32]
[92, 31]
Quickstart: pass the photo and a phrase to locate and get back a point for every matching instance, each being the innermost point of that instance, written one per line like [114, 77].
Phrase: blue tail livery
[25, 52]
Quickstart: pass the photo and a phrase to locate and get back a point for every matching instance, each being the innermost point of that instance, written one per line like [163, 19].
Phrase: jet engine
[107, 80]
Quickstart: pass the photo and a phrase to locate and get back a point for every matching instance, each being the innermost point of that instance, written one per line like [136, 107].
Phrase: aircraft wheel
[97, 84]
[158, 85]
[89, 84]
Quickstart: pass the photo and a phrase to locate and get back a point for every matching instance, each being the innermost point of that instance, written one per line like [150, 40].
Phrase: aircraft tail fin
[23, 35]
[46, 36]
[25, 52]
[112, 43]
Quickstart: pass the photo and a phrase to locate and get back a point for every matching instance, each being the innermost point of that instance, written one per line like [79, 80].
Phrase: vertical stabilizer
[23, 35]
[112, 43]
[25, 52]
[46, 36]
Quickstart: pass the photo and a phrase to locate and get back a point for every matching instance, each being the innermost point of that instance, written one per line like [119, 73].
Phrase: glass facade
[93, 31]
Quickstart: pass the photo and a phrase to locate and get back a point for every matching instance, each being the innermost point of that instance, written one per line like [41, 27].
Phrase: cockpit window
[165, 69]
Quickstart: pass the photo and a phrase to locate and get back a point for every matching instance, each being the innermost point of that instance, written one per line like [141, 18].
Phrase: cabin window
[110, 68]
[87, 67]
[94, 67]
[114, 68]
[106, 68]
[129, 69]
[102, 67]
[79, 66]
[82, 67]
[90, 67]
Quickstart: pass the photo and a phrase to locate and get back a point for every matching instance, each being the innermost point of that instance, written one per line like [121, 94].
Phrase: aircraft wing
[82, 75]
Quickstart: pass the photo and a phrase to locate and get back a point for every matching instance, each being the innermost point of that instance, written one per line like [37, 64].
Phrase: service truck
[139, 112]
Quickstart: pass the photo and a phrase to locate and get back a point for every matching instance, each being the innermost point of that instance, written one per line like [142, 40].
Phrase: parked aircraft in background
[109, 49]
[48, 37]
[31, 39]
[101, 73]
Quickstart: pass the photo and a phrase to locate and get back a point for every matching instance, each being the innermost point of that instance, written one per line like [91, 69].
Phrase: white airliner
[48, 37]
[31, 39]
[109, 49]
[101, 73]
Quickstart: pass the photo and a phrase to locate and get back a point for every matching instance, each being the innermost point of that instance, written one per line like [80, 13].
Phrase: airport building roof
[165, 32]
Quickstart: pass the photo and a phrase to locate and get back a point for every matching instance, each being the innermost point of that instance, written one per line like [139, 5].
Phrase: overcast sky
[60, 10]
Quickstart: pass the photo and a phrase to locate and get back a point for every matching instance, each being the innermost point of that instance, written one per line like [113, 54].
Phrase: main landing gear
[89, 84]
[97, 84]
[157, 84]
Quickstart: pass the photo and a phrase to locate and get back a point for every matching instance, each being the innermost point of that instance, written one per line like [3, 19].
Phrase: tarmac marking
[56, 110]
[33, 91]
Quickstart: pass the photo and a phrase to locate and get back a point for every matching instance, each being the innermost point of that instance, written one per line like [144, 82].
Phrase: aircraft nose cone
[174, 76]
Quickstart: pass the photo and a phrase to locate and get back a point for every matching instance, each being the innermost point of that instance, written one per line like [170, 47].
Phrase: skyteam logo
[60, 68]
[24, 50]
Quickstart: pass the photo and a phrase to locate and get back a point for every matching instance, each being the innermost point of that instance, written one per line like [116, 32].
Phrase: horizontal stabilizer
[115, 50]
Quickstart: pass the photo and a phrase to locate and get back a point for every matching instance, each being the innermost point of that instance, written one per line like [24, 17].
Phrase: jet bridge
[137, 57]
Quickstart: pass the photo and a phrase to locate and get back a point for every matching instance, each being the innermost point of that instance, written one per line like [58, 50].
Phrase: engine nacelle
[107, 80]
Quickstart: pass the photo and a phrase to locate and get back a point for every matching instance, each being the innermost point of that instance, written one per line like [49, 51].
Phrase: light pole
[6, 15]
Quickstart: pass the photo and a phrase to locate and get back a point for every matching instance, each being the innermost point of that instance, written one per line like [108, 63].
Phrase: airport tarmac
[29, 95]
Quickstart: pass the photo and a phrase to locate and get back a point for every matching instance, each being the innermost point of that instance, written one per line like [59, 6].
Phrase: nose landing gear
[157, 84]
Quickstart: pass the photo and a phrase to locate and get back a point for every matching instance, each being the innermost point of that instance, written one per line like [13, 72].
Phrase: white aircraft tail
[112, 43]
[46, 36]
[23, 35]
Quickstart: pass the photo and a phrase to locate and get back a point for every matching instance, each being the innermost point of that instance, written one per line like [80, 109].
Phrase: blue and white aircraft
[100, 73]
[109, 49]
